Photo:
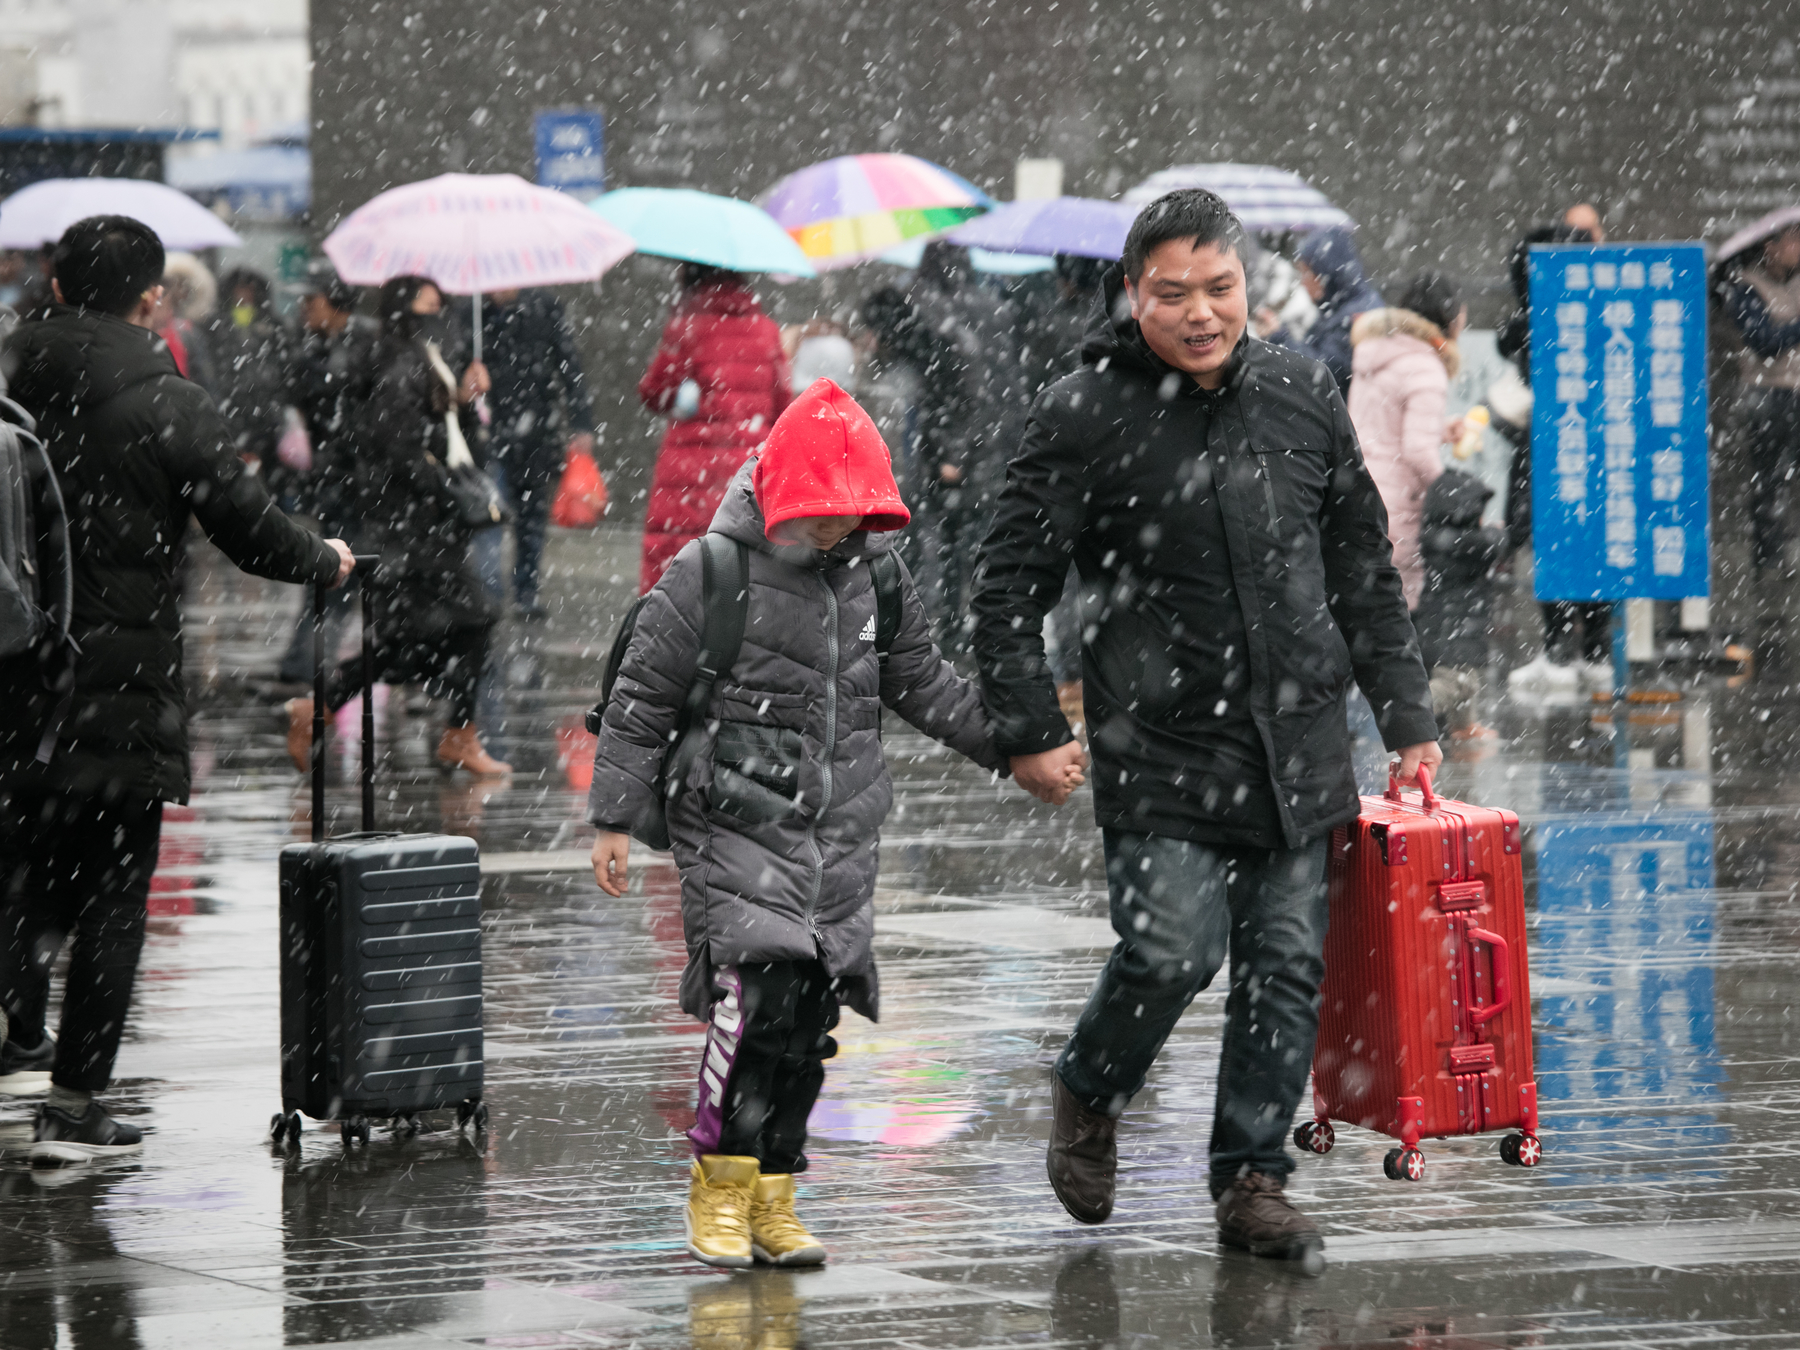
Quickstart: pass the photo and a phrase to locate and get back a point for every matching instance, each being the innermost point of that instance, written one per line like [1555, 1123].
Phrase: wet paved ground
[1663, 876]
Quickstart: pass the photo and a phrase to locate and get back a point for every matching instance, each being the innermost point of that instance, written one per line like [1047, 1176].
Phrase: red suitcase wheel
[1404, 1164]
[1315, 1136]
[1521, 1150]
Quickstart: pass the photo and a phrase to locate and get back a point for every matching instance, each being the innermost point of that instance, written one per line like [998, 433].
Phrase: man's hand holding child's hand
[1053, 774]
[611, 851]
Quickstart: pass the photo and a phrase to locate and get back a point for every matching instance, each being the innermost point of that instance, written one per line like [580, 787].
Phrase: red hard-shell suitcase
[1425, 1020]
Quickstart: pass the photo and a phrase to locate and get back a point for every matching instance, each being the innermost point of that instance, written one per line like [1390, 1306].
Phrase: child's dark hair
[1432, 295]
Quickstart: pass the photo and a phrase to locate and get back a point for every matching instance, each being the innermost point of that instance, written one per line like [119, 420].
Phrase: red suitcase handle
[1502, 966]
[1428, 798]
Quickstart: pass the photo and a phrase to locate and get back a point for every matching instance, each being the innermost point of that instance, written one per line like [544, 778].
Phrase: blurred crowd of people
[950, 360]
[385, 429]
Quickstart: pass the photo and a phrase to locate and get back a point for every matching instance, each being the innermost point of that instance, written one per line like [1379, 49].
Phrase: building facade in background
[1444, 130]
[238, 67]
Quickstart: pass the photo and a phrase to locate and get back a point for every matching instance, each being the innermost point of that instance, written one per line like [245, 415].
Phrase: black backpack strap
[596, 715]
[884, 571]
[56, 558]
[724, 607]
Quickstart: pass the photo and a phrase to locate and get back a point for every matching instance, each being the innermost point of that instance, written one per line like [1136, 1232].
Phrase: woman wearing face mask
[433, 617]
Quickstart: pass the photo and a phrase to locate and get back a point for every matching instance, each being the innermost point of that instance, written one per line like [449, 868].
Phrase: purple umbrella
[1759, 233]
[1083, 226]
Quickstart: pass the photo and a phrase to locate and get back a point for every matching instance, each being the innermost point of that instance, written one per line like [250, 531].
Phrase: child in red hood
[775, 827]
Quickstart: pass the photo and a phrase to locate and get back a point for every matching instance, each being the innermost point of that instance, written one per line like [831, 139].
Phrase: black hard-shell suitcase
[380, 959]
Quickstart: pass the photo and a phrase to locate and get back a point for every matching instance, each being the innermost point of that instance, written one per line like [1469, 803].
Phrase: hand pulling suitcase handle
[1429, 799]
[1502, 967]
[368, 715]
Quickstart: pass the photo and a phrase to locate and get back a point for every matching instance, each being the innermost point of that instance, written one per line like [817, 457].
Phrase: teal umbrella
[703, 228]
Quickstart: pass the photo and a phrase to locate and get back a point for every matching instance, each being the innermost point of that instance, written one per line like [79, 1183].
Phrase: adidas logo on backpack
[868, 632]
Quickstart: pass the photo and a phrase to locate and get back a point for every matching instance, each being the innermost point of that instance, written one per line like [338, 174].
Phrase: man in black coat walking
[541, 403]
[90, 750]
[1236, 575]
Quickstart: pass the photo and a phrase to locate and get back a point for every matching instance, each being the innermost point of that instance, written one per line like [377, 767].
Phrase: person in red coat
[720, 375]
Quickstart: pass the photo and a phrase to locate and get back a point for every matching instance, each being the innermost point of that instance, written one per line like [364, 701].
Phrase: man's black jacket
[1236, 573]
[137, 449]
[530, 355]
[329, 375]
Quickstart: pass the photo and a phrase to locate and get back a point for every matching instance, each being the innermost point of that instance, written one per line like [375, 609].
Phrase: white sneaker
[1597, 676]
[26, 1073]
[1543, 676]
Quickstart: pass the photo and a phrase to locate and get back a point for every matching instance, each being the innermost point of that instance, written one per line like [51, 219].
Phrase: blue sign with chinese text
[1618, 424]
[571, 151]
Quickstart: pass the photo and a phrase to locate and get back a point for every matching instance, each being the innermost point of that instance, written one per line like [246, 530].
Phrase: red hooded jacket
[825, 457]
[719, 338]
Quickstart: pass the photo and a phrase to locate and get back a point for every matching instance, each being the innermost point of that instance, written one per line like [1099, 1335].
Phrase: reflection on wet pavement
[1662, 873]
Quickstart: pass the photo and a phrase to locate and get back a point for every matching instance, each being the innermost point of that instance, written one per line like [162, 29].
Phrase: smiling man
[1236, 575]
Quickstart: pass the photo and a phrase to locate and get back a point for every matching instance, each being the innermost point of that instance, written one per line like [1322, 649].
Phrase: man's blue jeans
[1179, 909]
[531, 516]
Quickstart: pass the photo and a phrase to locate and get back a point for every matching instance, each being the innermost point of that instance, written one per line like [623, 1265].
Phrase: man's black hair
[322, 279]
[1432, 295]
[1188, 213]
[107, 263]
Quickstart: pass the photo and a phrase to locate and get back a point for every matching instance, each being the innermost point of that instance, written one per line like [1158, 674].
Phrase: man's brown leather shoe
[1256, 1215]
[1084, 1155]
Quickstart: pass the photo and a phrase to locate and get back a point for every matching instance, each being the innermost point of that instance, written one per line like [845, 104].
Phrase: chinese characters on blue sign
[1618, 429]
[571, 151]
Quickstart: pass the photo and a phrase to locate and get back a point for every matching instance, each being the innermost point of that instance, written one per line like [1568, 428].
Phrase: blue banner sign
[571, 151]
[1618, 424]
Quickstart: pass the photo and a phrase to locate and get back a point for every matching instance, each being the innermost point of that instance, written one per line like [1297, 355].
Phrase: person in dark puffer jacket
[776, 832]
[1458, 604]
[89, 752]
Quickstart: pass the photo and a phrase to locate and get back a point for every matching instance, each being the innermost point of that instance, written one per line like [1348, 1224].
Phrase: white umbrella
[472, 233]
[1264, 198]
[37, 215]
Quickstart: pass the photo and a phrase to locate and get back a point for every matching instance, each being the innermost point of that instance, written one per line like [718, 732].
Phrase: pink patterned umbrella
[472, 233]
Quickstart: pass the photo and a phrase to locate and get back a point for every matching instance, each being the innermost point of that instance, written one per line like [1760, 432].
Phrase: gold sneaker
[776, 1233]
[718, 1209]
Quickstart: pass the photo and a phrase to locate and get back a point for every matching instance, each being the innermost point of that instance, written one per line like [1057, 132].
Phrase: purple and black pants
[766, 1046]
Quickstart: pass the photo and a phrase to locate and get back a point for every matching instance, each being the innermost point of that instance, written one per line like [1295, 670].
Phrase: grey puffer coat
[766, 874]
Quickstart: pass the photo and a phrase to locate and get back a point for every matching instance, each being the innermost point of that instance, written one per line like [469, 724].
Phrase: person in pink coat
[1403, 358]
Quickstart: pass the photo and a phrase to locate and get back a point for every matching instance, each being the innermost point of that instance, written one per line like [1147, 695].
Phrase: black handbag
[475, 501]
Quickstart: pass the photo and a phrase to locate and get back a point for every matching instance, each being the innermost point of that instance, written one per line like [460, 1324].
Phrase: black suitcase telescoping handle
[368, 707]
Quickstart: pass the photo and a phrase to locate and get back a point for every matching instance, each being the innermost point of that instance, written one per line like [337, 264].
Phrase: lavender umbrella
[37, 215]
[1083, 226]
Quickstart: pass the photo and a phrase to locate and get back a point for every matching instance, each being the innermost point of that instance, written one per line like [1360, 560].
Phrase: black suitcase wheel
[277, 1128]
[474, 1113]
[354, 1131]
[285, 1129]
[406, 1125]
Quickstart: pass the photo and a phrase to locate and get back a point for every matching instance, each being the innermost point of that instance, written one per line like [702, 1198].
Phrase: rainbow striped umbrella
[850, 209]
